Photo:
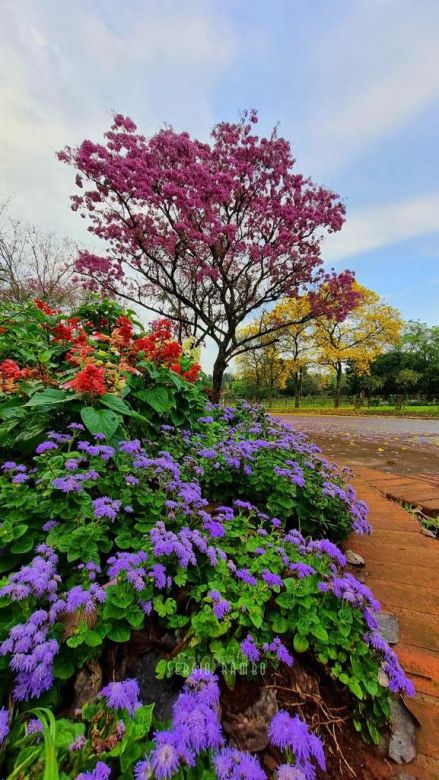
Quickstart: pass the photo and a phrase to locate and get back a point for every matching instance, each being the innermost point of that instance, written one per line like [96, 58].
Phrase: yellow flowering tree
[370, 329]
[262, 367]
[295, 345]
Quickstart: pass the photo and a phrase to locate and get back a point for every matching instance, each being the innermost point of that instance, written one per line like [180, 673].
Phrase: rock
[87, 684]
[388, 626]
[161, 692]
[402, 743]
[353, 558]
[427, 532]
[248, 728]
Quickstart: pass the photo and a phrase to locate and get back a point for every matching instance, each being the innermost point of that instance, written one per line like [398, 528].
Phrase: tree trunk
[296, 390]
[219, 368]
[337, 395]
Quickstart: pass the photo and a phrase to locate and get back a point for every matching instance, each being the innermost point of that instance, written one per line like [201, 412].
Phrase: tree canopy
[207, 234]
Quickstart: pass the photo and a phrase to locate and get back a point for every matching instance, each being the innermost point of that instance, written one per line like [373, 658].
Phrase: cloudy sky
[353, 84]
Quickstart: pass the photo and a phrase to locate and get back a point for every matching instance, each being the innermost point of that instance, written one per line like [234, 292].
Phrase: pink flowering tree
[207, 234]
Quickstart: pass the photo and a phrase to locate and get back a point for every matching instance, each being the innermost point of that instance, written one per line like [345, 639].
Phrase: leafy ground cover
[212, 540]
[349, 409]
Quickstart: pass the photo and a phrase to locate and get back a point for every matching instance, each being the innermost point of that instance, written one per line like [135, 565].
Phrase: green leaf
[300, 643]
[49, 397]
[92, 638]
[100, 420]
[23, 545]
[63, 668]
[160, 398]
[141, 722]
[355, 688]
[280, 624]
[320, 633]
[119, 634]
[117, 405]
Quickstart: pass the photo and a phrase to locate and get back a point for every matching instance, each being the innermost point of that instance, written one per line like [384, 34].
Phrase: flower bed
[213, 542]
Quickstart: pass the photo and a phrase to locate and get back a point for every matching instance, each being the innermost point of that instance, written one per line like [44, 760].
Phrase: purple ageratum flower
[99, 436]
[130, 447]
[19, 479]
[272, 580]
[78, 598]
[207, 453]
[100, 772]
[279, 649]
[302, 570]
[245, 576]
[289, 772]
[75, 426]
[231, 764]
[246, 505]
[77, 743]
[34, 726]
[249, 649]
[122, 695]
[130, 479]
[125, 562]
[49, 525]
[143, 770]
[158, 574]
[9, 465]
[32, 655]
[45, 446]
[106, 507]
[214, 528]
[292, 733]
[199, 721]
[221, 609]
[38, 578]
[170, 750]
[4, 724]
[207, 419]
[71, 464]
[327, 548]
[205, 685]
[350, 589]
[67, 484]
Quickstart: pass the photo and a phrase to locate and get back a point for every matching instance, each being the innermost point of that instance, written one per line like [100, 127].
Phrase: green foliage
[47, 350]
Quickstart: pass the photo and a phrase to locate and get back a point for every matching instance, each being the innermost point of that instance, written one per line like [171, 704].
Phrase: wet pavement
[392, 444]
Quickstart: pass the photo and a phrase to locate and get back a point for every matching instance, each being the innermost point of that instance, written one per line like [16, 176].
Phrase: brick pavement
[402, 566]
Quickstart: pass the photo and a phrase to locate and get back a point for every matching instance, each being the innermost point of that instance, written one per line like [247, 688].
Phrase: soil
[307, 692]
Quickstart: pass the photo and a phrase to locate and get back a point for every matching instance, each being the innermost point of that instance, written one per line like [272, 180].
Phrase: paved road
[395, 444]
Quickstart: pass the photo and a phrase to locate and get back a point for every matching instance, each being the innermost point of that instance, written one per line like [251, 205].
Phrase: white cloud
[66, 66]
[378, 226]
[373, 72]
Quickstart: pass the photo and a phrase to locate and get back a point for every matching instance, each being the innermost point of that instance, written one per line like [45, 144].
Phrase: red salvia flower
[90, 379]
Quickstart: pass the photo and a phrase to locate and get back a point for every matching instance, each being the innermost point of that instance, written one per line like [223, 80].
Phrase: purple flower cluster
[4, 725]
[37, 579]
[195, 728]
[221, 607]
[350, 589]
[79, 598]
[101, 772]
[292, 734]
[397, 680]
[32, 655]
[232, 764]
[279, 650]
[133, 565]
[122, 695]
[102, 451]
